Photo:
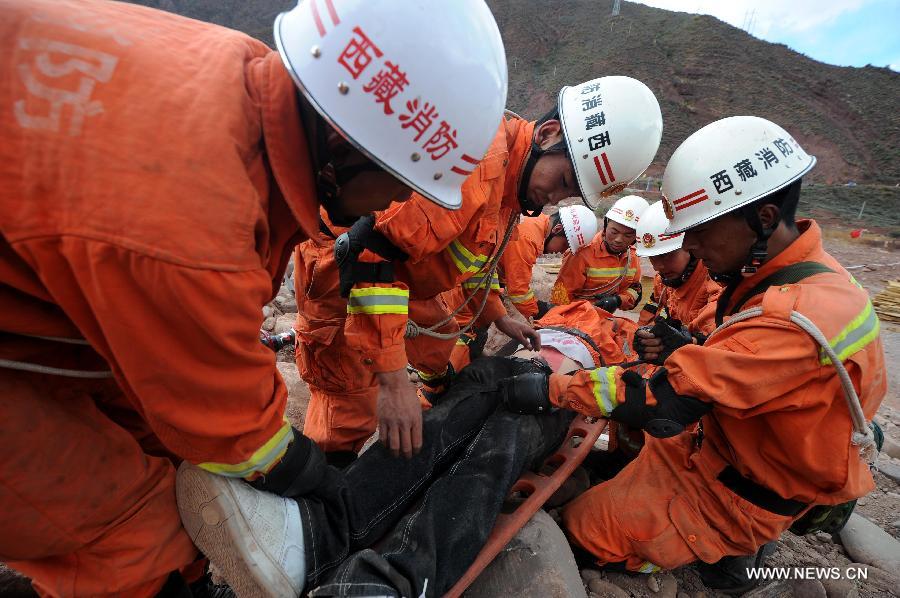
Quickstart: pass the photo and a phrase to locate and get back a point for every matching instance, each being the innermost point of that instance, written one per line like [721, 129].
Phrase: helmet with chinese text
[628, 210]
[612, 127]
[419, 87]
[728, 164]
[651, 233]
[579, 224]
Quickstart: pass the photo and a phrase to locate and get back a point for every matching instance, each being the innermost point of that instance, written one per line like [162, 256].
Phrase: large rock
[808, 588]
[867, 543]
[891, 447]
[880, 581]
[298, 393]
[286, 303]
[844, 586]
[605, 589]
[889, 469]
[537, 563]
[284, 323]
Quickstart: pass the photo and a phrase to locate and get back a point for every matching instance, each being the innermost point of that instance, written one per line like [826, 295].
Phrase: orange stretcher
[583, 433]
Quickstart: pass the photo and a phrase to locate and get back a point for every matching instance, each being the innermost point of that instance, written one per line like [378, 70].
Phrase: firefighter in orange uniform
[571, 228]
[436, 263]
[683, 292]
[157, 173]
[764, 455]
[606, 272]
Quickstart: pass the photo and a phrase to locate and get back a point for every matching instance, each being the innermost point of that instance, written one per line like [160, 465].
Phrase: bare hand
[525, 334]
[399, 414]
[651, 346]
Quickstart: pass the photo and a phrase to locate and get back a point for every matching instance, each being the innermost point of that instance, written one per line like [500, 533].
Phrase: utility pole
[617, 6]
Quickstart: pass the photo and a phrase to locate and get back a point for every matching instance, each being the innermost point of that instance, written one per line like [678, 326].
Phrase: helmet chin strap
[677, 281]
[759, 251]
[534, 154]
[328, 178]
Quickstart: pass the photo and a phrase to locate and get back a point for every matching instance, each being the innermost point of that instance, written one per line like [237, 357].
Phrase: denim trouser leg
[425, 518]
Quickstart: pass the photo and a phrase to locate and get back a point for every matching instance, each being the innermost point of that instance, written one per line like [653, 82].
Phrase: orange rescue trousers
[65, 438]
[666, 509]
[344, 389]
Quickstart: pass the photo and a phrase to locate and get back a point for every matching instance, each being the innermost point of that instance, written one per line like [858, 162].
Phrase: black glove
[671, 339]
[671, 413]
[543, 308]
[300, 472]
[609, 303]
[528, 391]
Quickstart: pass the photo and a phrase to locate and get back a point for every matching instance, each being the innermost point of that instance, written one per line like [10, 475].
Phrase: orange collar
[519, 134]
[285, 140]
[806, 247]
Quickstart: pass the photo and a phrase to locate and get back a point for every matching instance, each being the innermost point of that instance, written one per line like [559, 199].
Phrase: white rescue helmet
[579, 224]
[418, 86]
[612, 127]
[651, 233]
[627, 210]
[727, 164]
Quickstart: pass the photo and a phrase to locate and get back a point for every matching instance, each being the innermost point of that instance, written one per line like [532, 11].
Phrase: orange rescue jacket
[594, 271]
[518, 262]
[154, 172]
[779, 415]
[446, 249]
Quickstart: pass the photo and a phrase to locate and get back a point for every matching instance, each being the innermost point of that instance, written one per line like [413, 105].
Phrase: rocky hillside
[700, 68]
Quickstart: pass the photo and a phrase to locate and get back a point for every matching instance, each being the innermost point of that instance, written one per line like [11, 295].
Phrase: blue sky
[846, 33]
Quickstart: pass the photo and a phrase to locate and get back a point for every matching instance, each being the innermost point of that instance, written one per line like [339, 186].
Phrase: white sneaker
[254, 538]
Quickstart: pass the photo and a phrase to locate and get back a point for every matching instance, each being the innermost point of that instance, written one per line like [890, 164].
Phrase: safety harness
[534, 154]
[820, 517]
[682, 278]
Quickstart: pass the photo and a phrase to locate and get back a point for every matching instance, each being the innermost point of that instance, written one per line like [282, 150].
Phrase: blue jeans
[389, 526]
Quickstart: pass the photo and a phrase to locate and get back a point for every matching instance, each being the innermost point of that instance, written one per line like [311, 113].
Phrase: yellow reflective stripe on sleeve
[426, 377]
[465, 260]
[606, 272]
[859, 333]
[604, 387]
[265, 456]
[522, 298]
[477, 281]
[648, 567]
[378, 300]
[631, 272]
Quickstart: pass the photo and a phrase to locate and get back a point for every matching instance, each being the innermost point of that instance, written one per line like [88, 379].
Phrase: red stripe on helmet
[317, 18]
[600, 170]
[332, 12]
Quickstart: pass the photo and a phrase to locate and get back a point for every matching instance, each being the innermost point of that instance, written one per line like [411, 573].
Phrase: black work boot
[729, 575]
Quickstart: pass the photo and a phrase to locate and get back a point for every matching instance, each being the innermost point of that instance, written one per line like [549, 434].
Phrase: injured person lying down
[387, 526]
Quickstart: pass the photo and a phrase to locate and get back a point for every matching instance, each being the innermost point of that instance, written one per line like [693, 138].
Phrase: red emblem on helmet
[629, 215]
[648, 240]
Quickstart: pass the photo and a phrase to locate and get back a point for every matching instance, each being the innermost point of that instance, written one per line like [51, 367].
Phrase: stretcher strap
[539, 489]
[863, 436]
